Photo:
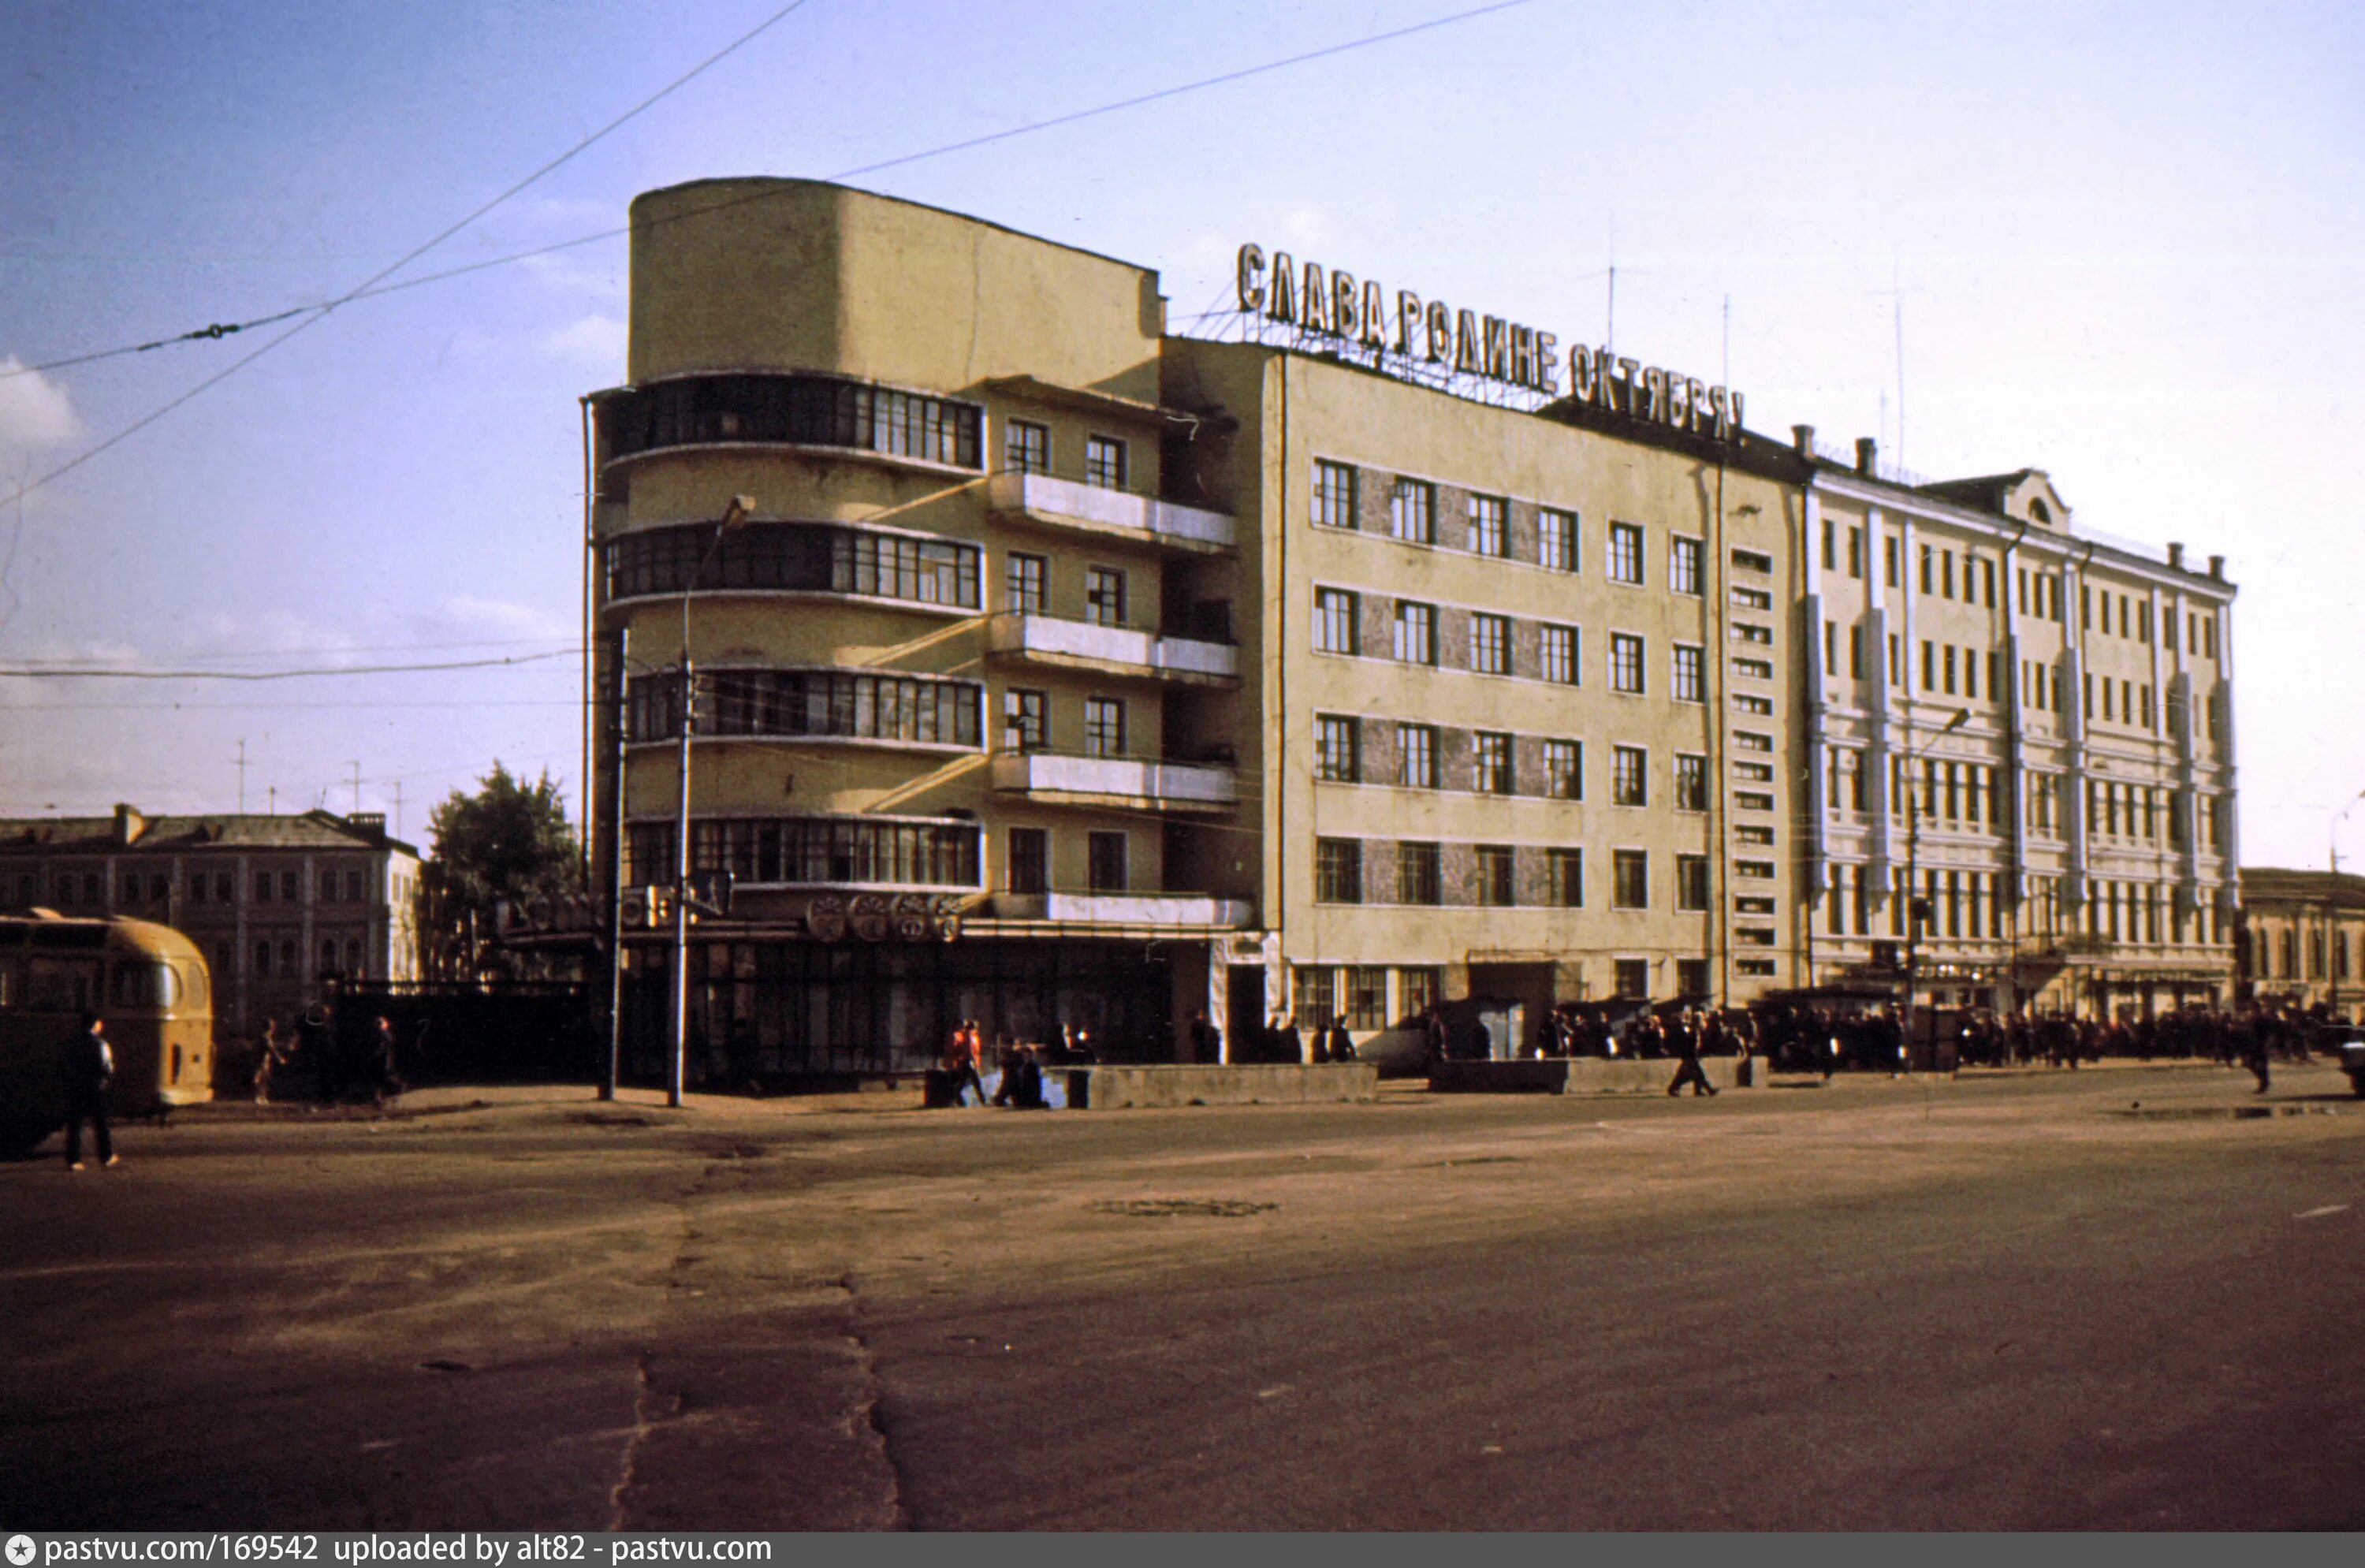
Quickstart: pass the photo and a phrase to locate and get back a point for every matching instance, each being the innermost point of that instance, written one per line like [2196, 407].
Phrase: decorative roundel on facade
[826, 918]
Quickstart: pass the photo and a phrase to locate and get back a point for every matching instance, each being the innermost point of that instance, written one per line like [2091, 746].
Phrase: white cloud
[594, 341]
[36, 414]
[464, 614]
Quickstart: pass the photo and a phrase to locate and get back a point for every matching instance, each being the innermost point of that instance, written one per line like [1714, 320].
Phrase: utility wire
[377, 287]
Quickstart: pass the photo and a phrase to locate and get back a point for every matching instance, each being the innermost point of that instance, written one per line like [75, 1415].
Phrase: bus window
[195, 976]
[143, 986]
[61, 985]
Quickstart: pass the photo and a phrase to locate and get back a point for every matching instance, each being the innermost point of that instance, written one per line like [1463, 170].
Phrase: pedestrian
[89, 1068]
[1342, 1044]
[1685, 1041]
[386, 1082]
[270, 1061]
[2255, 1058]
[1207, 1040]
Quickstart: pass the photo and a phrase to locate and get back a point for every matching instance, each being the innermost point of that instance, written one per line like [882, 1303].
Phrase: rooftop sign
[1331, 302]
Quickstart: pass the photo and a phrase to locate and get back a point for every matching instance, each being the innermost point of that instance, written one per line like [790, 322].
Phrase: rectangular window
[1855, 550]
[1491, 755]
[1418, 877]
[1417, 992]
[1830, 545]
[1103, 595]
[1928, 571]
[1625, 554]
[1564, 877]
[1025, 720]
[1625, 662]
[1030, 860]
[1630, 876]
[1755, 669]
[1026, 582]
[1334, 496]
[1565, 769]
[1105, 863]
[1556, 542]
[1025, 447]
[1416, 632]
[1367, 997]
[1104, 462]
[1947, 574]
[261, 886]
[1416, 756]
[1497, 883]
[1691, 782]
[1490, 644]
[1949, 676]
[1752, 561]
[1684, 566]
[1336, 749]
[1557, 651]
[1103, 726]
[1412, 512]
[1334, 621]
[1338, 871]
[1691, 882]
[1890, 553]
[1690, 674]
[1630, 782]
[1490, 531]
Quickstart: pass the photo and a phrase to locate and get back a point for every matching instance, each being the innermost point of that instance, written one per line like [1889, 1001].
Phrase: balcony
[1114, 650]
[1090, 508]
[1192, 910]
[1057, 778]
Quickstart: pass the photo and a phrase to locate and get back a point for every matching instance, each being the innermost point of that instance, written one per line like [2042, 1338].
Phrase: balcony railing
[1119, 648]
[1124, 909]
[1101, 511]
[1056, 776]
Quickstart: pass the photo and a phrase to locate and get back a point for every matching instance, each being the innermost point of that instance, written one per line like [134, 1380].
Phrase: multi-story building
[2030, 726]
[2302, 938]
[279, 905]
[1302, 673]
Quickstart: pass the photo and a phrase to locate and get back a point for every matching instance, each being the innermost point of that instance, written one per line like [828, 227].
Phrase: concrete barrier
[1122, 1086]
[1577, 1075]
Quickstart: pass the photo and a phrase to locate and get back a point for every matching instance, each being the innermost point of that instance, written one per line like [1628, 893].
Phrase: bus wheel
[19, 1138]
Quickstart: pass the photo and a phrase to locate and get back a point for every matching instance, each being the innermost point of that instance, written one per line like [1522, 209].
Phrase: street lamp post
[733, 516]
[2333, 951]
[1913, 755]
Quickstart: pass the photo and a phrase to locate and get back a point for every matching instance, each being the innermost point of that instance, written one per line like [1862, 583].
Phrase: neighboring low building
[279, 905]
[2300, 938]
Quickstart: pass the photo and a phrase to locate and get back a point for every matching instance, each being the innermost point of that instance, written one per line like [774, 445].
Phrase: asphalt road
[2042, 1301]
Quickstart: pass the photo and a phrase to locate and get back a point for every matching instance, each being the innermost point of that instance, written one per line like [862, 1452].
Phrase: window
[1929, 573]
[1416, 756]
[1103, 595]
[1892, 553]
[1690, 682]
[1104, 867]
[1830, 545]
[1761, 706]
[1691, 882]
[1103, 726]
[224, 887]
[1625, 662]
[1752, 561]
[1565, 769]
[1412, 512]
[263, 886]
[1751, 599]
[1625, 554]
[1691, 782]
[1311, 997]
[1684, 566]
[197, 890]
[1416, 632]
[1755, 669]
[1752, 740]
[1026, 582]
[1855, 550]
[1490, 532]
[1631, 977]
[1025, 720]
[1334, 621]
[1417, 991]
[1497, 882]
[813, 850]
[810, 702]
[1025, 447]
[1491, 757]
[1338, 871]
[1629, 776]
[1556, 654]
[1104, 462]
[1030, 860]
[1630, 876]
[262, 959]
[1564, 877]
[1490, 644]
[1556, 543]
[1334, 496]
[1367, 997]
[1417, 873]
[805, 410]
[1336, 748]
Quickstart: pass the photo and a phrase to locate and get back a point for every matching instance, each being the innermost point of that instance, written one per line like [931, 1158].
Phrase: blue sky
[2122, 238]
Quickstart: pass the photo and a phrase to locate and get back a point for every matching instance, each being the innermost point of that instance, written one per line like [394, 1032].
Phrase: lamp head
[737, 512]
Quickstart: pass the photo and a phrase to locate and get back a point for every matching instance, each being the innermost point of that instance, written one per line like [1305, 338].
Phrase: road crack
[868, 1421]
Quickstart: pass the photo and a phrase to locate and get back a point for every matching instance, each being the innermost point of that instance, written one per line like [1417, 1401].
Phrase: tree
[510, 842]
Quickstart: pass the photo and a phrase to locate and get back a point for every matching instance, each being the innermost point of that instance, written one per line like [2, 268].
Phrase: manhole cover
[1166, 1208]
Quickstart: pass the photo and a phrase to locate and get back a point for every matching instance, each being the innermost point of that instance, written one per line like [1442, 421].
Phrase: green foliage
[508, 841]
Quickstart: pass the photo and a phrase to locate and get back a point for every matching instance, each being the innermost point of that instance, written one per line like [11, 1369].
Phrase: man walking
[1685, 1040]
[90, 1067]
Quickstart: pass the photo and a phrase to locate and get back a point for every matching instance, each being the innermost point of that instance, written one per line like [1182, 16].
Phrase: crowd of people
[1018, 1064]
[310, 1058]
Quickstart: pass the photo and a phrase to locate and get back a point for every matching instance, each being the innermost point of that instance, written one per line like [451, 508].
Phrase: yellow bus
[147, 980]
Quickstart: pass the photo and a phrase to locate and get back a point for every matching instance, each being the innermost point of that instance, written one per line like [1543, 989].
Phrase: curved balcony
[1113, 650]
[797, 410]
[915, 570]
[1093, 509]
[1128, 782]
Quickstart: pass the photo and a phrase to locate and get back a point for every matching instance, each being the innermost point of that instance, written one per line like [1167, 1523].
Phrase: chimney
[2176, 555]
[1867, 455]
[1803, 438]
[2217, 567]
[128, 823]
[369, 824]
